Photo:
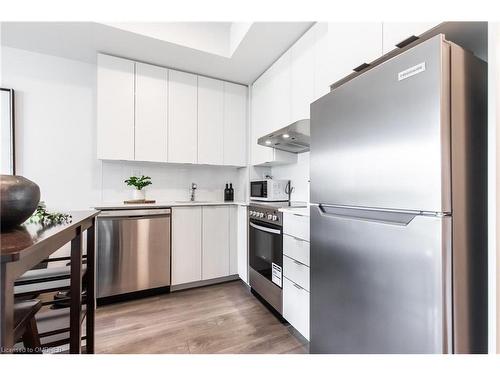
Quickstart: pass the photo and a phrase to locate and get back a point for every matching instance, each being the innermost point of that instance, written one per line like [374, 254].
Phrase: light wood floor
[224, 318]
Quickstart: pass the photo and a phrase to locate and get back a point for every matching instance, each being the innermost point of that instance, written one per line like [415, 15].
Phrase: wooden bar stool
[25, 324]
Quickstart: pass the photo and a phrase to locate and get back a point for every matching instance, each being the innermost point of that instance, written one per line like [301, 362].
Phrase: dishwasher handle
[148, 212]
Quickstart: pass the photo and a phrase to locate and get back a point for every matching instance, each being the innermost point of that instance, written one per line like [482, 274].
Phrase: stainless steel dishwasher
[133, 251]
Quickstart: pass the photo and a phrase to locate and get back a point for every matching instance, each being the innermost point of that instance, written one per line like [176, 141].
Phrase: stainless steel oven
[266, 254]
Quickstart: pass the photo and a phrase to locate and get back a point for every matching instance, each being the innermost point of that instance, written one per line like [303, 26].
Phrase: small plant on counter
[138, 182]
[42, 216]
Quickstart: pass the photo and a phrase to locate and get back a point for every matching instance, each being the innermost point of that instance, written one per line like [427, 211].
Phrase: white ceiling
[234, 51]
[219, 38]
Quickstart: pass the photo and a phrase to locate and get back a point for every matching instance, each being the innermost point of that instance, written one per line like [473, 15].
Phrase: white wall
[56, 140]
[55, 132]
[298, 173]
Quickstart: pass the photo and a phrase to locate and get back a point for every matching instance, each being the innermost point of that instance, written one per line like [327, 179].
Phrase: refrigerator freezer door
[379, 286]
[382, 139]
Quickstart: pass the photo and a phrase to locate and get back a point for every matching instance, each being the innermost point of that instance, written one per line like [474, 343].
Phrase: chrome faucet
[193, 190]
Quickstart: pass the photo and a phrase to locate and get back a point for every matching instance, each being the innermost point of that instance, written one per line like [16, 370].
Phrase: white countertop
[121, 205]
[302, 211]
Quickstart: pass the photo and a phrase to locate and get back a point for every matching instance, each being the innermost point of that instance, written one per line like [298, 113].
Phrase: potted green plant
[139, 183]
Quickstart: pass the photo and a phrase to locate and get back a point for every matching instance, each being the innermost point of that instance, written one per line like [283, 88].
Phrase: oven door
[258, 190]
[266, 250]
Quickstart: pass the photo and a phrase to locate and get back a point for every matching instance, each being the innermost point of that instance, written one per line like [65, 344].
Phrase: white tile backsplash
[170, 181]
[298, 173]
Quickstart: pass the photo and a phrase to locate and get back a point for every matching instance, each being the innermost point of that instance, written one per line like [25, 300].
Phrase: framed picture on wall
[7, 138]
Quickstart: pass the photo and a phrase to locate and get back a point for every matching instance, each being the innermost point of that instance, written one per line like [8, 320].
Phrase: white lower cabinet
[242, 244]
[296, 248]
[215, 254]
[186, 245]
[205, 243]
[296, 271]
[296, 225]
[233, 240]
[296, 306]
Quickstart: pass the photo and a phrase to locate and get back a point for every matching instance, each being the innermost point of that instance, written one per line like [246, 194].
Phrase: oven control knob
[275, 217]
[269, 217]
[261, 215]
[250, 213]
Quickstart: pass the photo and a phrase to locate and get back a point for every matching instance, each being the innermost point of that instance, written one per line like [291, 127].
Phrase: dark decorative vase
[19, 198]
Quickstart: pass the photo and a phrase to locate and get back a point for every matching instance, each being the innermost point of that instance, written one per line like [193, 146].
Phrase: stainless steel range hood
[292, 138]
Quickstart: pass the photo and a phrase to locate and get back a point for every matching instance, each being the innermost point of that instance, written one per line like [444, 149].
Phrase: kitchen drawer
[296, 248]
[296, 306]
[296, 225]
[296, 272]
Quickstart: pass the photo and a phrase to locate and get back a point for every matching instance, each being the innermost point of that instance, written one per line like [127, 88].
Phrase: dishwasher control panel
[135, 212]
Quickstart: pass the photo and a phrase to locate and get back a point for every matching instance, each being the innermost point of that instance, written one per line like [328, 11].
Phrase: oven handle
[264, 229]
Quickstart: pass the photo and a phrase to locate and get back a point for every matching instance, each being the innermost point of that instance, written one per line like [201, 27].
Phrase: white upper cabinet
[396, 32]
[210, 121]
[321, 60]
[271, 110]
[151, 113]
[302, 75]
[279, 94]
[235, 120]
[260, 107]
[151, 84]
[349, 45]
[115, 108]
[182, 117]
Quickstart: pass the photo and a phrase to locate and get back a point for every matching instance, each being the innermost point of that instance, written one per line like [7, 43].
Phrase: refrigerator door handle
[391, 217]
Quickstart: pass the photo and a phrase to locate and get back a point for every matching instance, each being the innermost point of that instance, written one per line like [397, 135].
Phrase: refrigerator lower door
[380, 281]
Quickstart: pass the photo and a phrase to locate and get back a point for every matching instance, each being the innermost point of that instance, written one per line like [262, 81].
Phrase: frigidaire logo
[411, 71]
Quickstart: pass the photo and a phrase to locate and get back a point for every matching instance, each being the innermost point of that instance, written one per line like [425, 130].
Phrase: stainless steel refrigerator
[398, 213]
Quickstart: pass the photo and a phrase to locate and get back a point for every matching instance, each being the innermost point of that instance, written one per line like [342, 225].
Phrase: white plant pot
[139, 194]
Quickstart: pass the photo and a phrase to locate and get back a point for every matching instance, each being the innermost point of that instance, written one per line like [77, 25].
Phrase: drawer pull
[297, 238]
[298, 286]
[298, 263]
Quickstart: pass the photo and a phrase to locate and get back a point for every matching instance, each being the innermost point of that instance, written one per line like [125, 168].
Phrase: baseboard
[197, 284]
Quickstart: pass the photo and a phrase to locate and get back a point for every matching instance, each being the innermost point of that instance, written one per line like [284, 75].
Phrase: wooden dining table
[27, 245]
